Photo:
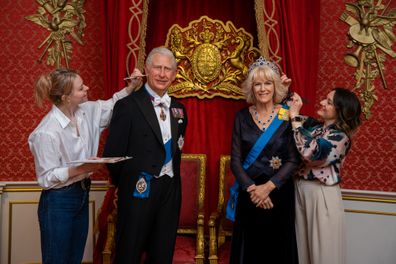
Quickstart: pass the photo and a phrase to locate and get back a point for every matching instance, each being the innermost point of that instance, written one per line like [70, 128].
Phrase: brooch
[283, 114]
[275, 162]
[141, 185]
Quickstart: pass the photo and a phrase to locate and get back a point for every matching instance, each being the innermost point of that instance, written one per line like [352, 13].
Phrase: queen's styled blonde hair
[263, 71]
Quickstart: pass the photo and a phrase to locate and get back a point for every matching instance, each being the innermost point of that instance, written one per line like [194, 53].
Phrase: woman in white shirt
[70, 131]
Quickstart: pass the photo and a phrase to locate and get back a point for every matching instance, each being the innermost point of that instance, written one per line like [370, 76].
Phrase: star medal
[275, 162]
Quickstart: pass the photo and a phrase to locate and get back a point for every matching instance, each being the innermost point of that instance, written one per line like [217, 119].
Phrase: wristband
[297, 119]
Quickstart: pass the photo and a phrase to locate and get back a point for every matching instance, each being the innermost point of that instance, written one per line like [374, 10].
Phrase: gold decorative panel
[65, 21]
[371, 24]
[213, 58]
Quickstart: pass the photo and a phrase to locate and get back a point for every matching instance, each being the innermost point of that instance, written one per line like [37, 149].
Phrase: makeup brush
[134, 77]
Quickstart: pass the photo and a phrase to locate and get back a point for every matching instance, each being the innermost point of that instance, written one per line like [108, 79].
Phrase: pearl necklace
[263, 124]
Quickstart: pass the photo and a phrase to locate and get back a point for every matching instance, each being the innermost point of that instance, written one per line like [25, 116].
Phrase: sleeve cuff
[276, 182]
[121, 94]
[62, 174]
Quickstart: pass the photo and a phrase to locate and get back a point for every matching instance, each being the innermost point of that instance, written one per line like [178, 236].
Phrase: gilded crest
[213, 58]
[371, 34]
[65, 21]
[206, 64]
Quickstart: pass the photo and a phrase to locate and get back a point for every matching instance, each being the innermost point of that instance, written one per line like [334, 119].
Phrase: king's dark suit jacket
[134, 131]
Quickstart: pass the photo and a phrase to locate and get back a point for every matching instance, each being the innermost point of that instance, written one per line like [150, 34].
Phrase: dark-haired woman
[323, 146]
[70, 131]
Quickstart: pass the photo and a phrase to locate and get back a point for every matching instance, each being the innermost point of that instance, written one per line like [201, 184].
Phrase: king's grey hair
[163, 51]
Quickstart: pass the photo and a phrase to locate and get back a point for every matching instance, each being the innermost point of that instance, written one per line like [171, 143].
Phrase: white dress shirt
[165, 125]
[55, 141]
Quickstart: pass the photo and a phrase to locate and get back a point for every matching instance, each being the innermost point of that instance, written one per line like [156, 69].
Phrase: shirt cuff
[121, 94]
[62, 174]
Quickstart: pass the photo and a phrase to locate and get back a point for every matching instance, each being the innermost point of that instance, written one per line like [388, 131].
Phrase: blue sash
[142, 189]
[168, 151]
[255, 151]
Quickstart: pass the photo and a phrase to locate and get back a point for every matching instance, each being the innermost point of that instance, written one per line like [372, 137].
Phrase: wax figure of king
[149, 126]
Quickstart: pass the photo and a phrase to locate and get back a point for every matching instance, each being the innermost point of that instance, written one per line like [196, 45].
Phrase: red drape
[299, 24]
[211, 120]
[116, 15]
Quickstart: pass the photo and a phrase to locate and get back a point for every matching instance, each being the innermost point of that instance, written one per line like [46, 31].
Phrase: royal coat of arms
[213, 58]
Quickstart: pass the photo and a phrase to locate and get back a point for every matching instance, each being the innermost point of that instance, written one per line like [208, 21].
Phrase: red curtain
[116, 15]
[211, 120]
[299, 29]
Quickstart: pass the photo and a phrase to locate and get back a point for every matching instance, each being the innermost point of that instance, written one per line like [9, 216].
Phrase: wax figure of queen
[149, 126]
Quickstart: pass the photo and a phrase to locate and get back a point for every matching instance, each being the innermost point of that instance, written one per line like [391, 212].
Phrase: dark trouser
[148, 225]
[63, 217]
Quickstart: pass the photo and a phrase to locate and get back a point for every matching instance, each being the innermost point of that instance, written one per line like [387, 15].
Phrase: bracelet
[297, 119]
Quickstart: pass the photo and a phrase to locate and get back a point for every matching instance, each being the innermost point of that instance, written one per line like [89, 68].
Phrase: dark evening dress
[264, 235]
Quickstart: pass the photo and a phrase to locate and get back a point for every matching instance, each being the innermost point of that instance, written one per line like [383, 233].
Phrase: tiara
[263, 62]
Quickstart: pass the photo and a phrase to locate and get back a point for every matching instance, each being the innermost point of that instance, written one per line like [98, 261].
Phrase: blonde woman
[70, 131]
[263, 159]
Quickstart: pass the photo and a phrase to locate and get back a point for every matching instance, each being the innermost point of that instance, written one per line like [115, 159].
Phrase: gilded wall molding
[137, 27]
[65, 21]
[371, 25]
[266, 28]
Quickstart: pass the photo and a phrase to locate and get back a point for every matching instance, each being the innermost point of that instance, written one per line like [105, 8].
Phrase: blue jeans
[63, 218]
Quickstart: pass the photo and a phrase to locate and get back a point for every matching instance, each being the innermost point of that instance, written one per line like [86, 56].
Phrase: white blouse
[55, 141]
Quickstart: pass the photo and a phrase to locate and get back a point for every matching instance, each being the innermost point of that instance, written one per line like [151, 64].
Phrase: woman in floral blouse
[323, 146]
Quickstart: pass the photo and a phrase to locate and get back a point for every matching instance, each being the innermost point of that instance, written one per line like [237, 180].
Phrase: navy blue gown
[264, 235]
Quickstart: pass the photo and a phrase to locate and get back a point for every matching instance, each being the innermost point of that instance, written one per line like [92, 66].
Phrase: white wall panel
[371, 227]
[20, 235]
[370, 217]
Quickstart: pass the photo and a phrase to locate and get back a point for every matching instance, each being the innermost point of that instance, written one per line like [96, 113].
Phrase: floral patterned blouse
[323, 150]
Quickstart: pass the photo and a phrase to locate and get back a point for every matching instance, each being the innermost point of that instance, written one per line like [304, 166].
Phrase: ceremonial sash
[142, 189]
[254, 152]
[168, 151]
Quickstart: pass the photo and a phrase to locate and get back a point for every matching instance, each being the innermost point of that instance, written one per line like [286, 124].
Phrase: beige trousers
[320, 223]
